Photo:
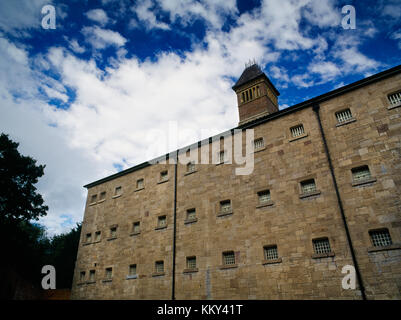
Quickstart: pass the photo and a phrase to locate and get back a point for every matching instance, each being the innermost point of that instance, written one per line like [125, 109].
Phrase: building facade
[324, 195]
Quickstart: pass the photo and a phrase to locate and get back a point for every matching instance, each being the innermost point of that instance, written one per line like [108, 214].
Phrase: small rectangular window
[97, 236]
[136, 227]
[191, 262]
[191, 214]
[258, 143]
[222, 156]
[92, 275]
[271, 252]
[308, 186]
[190, 166]
[113, 232]
[264, 196]
[297, 131]
[344, 115]
[164, 175]
[132, 270]
[228, 258]
[159, 266]
[361, 173]
[94, 198]
[102, 195]
[139, 183]
[162, 221]
[321, 245]
[118, 191]
[88, 237]
[395, 98]
[225, 206]
[380, 238]
[82, 276]
[109, 273]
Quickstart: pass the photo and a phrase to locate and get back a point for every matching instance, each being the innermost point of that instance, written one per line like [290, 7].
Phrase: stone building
[324, 194]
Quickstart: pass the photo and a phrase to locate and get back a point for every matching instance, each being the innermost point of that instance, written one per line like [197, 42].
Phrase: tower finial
[250, 63]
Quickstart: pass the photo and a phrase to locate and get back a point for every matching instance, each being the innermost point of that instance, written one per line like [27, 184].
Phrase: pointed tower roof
[250, 73]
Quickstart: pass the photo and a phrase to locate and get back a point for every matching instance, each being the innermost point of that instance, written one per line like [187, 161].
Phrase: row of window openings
[395, 98]
[379, 238]
[250, 94]
[308, 186]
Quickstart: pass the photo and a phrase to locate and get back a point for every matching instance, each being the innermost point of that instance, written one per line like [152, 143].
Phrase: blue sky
[102, 91]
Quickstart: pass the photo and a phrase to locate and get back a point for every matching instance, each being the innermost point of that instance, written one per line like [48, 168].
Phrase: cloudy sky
[98, 93]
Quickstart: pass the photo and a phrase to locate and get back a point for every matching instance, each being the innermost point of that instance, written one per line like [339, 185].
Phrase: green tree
[19, 200]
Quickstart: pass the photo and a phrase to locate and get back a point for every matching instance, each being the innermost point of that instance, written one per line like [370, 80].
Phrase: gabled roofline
[308, 103]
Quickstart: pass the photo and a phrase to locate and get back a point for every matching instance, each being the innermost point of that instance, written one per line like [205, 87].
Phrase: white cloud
[145, 12]
[74, 46]
[397, 36]
[325, 69]
[101, 38]
[98, 15]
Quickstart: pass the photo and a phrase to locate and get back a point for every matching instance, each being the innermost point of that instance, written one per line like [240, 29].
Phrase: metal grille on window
[191, 263]
[297, 131]
[344, 116]
[159, 266]
[132, 269]
[113, 232]
[191, 214]
[94, 198]
[258, 143]
[163, 176]
[109, 273]
[264, 196]
[118, 191]
[308, 186]
[222, 156]
[321, 246]
[139, 184]
[97, 236]
[271, 253]
[136, 227]
[102, 196]
[229, 258]
[361, 173]
[82, 276]
[88, 237]
[225, 206]
[162, 221]
[92, 275]
[191, 167]
[381, 238]
[395, 98]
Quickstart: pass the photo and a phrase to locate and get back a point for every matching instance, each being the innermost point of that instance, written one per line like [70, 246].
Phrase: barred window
[132, 270]
[228, 258]
[161, 221]
[93, 198]
[118, 191]
[97, 236]
[136, 227]
[113, 232]
[321, 245]
[395, 98]
[164, 175]
[308, 186]
[361, 173]
[297, 130]
[380, 238]
[264, 196]
[92, 275]
[344, 115]
[191, 214]
[258, 143]
[191, 166]
[139, 183]
[109, 273]
[191, 262]
[88, 237]
[102, 195]
[222, 156]
[225, 206]
[82, 276]
[159, 266]
[270, 252]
